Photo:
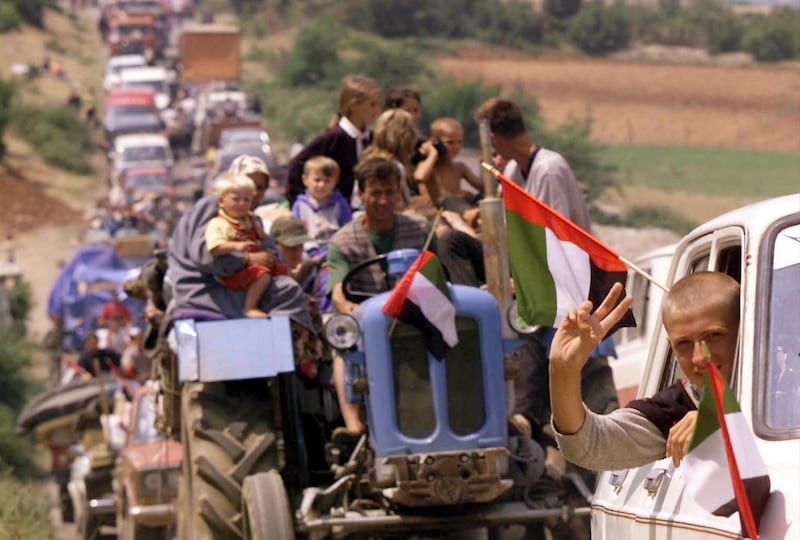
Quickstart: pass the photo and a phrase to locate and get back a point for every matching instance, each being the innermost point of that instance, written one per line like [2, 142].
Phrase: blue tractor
[437, 457]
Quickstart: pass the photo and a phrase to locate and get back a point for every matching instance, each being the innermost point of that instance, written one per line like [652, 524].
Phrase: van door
[650, 501]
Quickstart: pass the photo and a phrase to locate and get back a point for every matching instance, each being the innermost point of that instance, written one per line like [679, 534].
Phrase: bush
[406, 18]
[7, 91]
[9, 17]
[773, 37]
[15, 356]
[598, 29]
[31, 11]
[20, 298]
[571, 139]
[562, 8]
[715, 24]
[58, 135]
[513, 24]
[313, 59]
[24, 512]
[444, 96]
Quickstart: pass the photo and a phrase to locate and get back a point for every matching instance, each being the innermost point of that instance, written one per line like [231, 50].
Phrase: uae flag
[421, 298]
[555, 264]
[723, 470]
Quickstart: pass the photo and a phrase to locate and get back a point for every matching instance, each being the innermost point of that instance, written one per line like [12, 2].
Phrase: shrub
[598, 29]
[773, 37]
[571, 139]
[58, 135]
[444, 96]
[7, 91]
[15, 356]
[562, 8]
[9, 17]
[404, 18]
[713, 22]
[33, 10]
[513, 24]
[20, 299]
[313, 57]
[25, 513]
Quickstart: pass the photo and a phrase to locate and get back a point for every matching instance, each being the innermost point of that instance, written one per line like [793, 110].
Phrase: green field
[712, 171]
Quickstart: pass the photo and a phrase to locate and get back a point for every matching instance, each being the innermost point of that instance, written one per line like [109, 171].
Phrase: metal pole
[495, 241]
[495, 248]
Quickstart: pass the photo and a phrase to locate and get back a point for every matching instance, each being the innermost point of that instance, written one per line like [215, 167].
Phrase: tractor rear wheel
[227, 435]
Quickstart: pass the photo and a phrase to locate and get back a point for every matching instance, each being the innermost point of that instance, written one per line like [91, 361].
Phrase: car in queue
[130, 110]
[146, 182]
[146, 475]
[115, 64]
[156, 77]
[140, 150]
[759, 246]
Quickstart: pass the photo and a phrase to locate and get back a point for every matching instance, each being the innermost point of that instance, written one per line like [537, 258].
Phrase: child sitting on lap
[235, 229]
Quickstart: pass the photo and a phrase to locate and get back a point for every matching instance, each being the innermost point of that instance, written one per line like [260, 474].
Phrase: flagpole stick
[424, 249]
[643, 273]
[433, 229]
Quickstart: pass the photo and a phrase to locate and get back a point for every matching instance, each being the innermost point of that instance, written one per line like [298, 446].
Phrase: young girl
[358, 104]
[395, 139]
[235, 230]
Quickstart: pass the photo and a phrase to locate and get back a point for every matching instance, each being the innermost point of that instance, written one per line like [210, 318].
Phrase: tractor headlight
[516, 324]
[341, 331]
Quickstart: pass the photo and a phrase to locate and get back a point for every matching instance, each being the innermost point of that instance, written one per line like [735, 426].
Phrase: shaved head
[702, 289]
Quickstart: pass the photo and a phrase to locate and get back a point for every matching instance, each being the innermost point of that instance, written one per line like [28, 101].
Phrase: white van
[633, 344]
[139, 150]
[758, 245]
[116, 64]
[155, 77]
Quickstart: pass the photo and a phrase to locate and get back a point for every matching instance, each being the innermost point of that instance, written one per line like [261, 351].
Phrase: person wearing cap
[192, 272]
[290, 235]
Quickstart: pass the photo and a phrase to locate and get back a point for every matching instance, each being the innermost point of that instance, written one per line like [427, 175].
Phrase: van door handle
[616, 479]
[653, 480]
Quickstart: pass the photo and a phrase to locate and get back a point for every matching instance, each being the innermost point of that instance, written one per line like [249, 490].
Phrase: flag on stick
[555, 264]
[421, 298]
[723, 470]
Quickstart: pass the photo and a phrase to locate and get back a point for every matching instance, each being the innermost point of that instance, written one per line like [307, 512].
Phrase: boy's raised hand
[581, 330]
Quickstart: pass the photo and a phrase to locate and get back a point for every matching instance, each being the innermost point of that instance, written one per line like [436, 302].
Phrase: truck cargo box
[210, 52]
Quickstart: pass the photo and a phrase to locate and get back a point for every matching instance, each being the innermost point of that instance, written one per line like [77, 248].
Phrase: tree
[562, 9]
[773, 37]
[598, 29]
[7, 91]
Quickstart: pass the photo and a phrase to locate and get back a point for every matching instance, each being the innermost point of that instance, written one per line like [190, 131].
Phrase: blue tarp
[85, 283]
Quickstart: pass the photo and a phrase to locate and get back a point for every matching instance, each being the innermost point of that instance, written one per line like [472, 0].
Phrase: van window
[782, 400]
[725, 255]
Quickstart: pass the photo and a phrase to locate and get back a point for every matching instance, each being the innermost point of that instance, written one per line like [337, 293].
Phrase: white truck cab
[759, 245]
[156, 77]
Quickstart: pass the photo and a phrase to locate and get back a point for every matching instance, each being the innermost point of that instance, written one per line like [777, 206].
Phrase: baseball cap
[289, 231]
[248, 165]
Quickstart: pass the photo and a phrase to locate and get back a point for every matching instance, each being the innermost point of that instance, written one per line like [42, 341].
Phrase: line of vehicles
[229, 442]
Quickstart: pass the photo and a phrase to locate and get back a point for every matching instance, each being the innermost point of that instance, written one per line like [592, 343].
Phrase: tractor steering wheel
[359, 296]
